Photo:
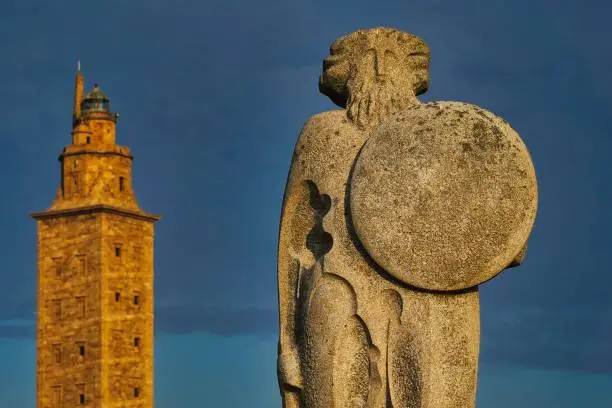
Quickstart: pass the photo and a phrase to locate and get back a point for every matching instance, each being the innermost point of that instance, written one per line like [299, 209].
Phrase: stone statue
[394, 212]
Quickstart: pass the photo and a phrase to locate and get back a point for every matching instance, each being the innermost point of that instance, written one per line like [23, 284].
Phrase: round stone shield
[443, 196]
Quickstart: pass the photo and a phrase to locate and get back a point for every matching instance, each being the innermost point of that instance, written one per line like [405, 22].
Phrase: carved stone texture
[393, 212]
[443, 196]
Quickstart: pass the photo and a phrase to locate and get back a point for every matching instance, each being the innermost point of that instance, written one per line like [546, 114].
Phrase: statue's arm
[519, 258]
[288, 276]
[297, 218]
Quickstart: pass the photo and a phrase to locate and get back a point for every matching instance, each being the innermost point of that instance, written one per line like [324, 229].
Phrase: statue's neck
[367, 110]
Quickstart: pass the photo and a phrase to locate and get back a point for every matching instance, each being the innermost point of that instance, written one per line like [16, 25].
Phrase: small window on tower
[117, 251]
[75, 183]
[81, 307]
[81, 392]
[57, 353]
[136, 392]
[88, 139]
[83, 264]
[81, 349]
[57, 309]
[57, 266]
[136, 341]
[121, 183]
[137, 252]
[56, 396]
[136, 299]
[117, 296]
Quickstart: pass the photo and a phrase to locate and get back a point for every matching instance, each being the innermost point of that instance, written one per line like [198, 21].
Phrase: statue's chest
[330, 157]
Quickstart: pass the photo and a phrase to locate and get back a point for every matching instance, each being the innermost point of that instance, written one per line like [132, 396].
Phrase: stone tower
[95, 273]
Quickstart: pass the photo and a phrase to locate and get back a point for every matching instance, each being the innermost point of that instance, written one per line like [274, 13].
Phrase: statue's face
[375, 56]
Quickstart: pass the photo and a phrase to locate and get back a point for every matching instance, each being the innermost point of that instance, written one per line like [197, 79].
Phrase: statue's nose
[380, 65]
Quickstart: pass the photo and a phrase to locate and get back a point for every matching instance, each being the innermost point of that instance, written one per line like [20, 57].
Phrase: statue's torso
[325, 154]
[353, 190]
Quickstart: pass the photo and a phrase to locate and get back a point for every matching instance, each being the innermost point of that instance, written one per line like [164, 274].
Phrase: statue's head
[378, 65]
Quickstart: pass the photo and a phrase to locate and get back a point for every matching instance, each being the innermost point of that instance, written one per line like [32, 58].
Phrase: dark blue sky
[212, 95]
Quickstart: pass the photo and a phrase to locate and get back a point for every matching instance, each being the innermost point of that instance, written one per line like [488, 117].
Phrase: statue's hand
[519, 258]
[289, 367]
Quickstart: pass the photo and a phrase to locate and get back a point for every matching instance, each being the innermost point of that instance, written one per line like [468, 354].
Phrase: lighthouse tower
[95, 272]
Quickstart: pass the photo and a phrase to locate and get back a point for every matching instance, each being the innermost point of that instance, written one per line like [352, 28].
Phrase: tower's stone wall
[69, 310]
[96, 174]
[127, 309]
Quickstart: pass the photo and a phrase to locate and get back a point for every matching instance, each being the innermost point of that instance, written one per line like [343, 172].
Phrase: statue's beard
[371, 101]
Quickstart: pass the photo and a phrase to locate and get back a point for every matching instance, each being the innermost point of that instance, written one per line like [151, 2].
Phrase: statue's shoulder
[320, 124]
[317, 139]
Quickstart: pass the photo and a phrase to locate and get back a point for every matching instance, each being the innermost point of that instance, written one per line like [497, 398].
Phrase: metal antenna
[79, 66]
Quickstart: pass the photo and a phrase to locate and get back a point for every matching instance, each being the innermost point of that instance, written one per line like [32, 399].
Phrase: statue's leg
[291, 398]
[351, 365]
[433, 354]
[456, 327]
[335, 348]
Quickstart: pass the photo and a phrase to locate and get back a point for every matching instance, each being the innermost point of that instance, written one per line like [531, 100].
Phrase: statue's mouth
[418, 54]
[330, 61]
